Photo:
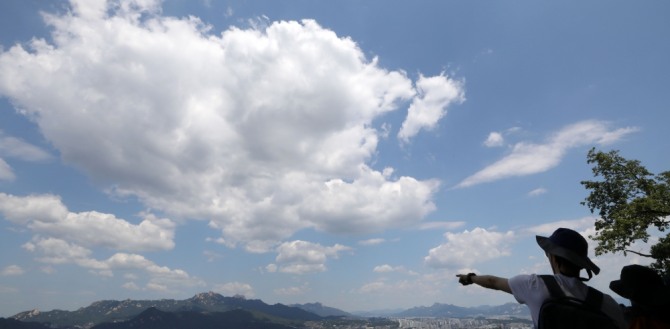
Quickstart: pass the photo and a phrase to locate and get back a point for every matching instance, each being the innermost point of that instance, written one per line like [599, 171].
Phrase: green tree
[631, 202]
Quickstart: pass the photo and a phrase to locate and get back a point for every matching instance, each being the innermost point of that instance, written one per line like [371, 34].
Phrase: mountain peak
[208, 294]
[207, 297]
[27, 314]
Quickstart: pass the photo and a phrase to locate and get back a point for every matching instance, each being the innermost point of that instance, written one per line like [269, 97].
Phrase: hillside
[321, 310]
[115, 311]
[452, 311]
[153, 318]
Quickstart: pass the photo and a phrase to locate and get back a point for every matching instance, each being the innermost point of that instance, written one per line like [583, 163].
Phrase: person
[648, 295]
[567, 252]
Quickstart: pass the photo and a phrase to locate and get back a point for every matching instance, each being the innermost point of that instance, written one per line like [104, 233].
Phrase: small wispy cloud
[229, 12]
[18, 148]
[495, 139]
[6, 172]
[211, 255]
[130, 286]
[537, 192]
[386, 268]
[12, 270]
[529, 158]
[12, 147]
[441, 225]
[371, 242]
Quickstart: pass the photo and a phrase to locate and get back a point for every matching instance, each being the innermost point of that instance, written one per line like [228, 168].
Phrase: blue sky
[354, 153]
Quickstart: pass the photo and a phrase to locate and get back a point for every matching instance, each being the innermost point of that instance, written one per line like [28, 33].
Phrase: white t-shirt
[531, 290]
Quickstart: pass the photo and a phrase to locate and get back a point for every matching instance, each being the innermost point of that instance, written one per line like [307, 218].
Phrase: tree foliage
[631, 202]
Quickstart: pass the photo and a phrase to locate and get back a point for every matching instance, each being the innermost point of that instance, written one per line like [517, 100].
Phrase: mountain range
[438, 310]
[209, 309]
[115, 311]
[154, 318]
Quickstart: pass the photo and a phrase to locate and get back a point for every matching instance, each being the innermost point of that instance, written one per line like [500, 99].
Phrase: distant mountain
[320, 310]
[451, 311]
[510, 309]
[438, 310]
[115, 311]
[153, 318]
[378, 313]
[213, 305]
[16, 324]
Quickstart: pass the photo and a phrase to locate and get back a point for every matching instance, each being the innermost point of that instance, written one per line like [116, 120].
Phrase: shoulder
[526, 281]
[521, 278]
[528, 287]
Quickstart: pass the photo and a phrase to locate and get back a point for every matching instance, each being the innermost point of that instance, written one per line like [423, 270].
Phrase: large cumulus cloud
[261, 131]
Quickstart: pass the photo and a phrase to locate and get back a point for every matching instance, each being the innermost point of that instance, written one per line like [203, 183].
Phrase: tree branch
[637, 253]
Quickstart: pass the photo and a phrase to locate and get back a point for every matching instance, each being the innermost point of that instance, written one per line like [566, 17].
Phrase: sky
[353, 153]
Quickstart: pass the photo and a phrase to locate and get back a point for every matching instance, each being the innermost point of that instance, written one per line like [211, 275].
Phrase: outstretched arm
[486, 281]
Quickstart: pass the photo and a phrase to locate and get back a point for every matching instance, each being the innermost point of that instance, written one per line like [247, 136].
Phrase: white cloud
[20, 149]
[527, 159]
[348, 208]
[229, 12]
[211, 255]
[469, 247]
[161, 278]
[12, 270]
[157, 287]
[441, 225]
[435, 95]
[6, 172]
[495, 139]
[130, 286]
[130, 276]
[235, 288]
[46, 215]
[271, 268]
[371, 242]
[373, 287]
[160, 109]
[386, 268]
[301, 257]
[538, 191]
[56, 251]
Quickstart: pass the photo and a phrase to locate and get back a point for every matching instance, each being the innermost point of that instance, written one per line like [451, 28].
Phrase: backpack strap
[552, 285]
[594, 298]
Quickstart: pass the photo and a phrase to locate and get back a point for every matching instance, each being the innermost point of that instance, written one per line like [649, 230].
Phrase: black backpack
[563, 312]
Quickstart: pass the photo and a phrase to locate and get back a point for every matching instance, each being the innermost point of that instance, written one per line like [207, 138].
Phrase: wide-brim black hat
[641, 284]
[570, 245]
